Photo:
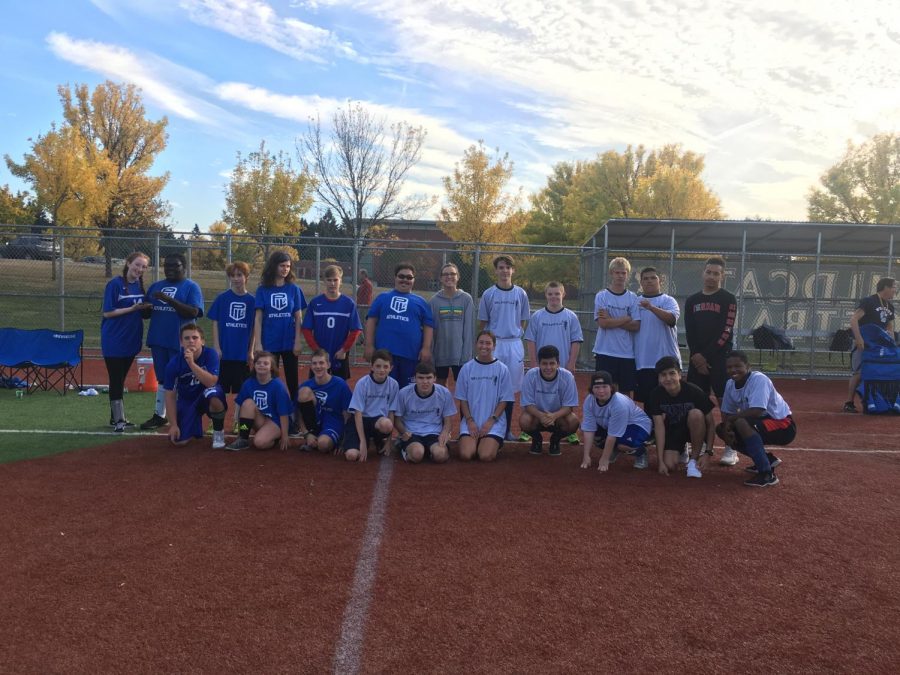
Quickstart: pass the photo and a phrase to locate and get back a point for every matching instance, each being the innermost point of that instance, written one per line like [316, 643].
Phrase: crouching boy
[323, 402]
[549, 398]
[424, 412]
[370, 407]
[618, 424]
[264, 407]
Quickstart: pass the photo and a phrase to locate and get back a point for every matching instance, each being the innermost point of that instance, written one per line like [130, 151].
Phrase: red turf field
[137, 557]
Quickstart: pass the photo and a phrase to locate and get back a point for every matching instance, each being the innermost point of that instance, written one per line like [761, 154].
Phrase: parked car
[30, 247]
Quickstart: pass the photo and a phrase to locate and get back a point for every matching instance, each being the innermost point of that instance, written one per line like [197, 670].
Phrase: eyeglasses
[405, 277]
[449, 274]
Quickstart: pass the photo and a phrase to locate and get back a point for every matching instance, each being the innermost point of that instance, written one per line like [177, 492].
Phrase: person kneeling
[681, 412]
[370, 406]
[549, 396]
[423, 413]
[264, 406]
[192, 390]
[620, 426]
[755, 415]
[323, 400]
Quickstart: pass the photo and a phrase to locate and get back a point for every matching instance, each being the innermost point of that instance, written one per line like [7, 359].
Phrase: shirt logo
[399, 304]
[321, 397]
[279, 301]
[261, 399]
[170, 291]
[237, 311]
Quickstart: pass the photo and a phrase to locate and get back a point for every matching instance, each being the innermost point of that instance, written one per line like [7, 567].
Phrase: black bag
[772, 338]
[842, 340]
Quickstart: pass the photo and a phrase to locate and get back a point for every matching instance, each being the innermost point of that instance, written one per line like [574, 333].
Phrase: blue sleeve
[244, 393]
[427, 316]
[302, 298]
[355, 323]
[346, 395]
[308, 318]
[214, 309]
[212, 361]
[375, 307]
[259, 299]
[110, 295]
[283, 404]
[195, 297]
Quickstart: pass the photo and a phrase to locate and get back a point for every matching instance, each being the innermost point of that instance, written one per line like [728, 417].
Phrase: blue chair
[45, 359]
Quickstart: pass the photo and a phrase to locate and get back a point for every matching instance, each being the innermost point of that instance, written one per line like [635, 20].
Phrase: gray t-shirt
[454, 328]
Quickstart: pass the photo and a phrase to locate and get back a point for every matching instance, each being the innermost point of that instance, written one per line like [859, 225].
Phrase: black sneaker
[537, 443]
[849, 407]
[127, 424]
[762, 480]
[555, 450]
[238, 444]
[154, 422]
[294, 432]
[773, 462]
[119, 427]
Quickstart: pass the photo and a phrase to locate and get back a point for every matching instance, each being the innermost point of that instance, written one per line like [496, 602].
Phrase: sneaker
[762, 480]
[119, 427]
[238, 444]
[849, 407]
[573, 439]
[403, 455]
[154, 422]
[729, 457]
[693, 471]
[294, 432]
[555, 450]
[640, 461]
[218, 440]
[209, 430]
[773, 462]
[127, 423]
[537, 444]
[684, 457]
[524, 438]
[236, 428]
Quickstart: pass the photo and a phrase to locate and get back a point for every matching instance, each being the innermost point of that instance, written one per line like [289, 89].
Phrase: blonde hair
[620, 263]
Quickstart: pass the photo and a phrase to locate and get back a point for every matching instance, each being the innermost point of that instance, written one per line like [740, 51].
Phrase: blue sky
[769, 91]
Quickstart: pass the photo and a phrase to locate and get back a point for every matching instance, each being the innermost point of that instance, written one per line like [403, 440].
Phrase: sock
[218, 420]
[308, 415]
[557, 435]
[509, 412]
[160, 402]
[753, 447]
[117, 410]
[244, 427]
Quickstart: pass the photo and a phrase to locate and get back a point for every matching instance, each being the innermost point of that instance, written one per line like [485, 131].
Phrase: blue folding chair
[45, 359]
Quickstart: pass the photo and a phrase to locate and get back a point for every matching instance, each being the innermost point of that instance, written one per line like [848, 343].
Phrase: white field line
[348, 653]
[127, 434]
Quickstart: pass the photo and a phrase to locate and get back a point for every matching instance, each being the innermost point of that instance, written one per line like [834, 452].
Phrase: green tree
[17, 209]
[863, 187]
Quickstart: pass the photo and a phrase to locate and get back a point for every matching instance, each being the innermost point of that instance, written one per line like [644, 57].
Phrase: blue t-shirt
[234, 314]
[278, 305]
[401, 318]
[121, 335]
[164, 321]
[272, 399]
[181, 378]
[332, 401]
[331, 321]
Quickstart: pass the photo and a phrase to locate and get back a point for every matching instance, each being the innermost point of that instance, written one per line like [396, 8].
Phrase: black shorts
[677, 437]
[716, 379]
[494, 436]
[351, 438]
[232, 374]
[443, 372]
[647, 381]
[622, 370]
[426, 441]
[772, 431]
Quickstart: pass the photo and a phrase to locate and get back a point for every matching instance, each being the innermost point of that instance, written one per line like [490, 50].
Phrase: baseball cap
[601, 377]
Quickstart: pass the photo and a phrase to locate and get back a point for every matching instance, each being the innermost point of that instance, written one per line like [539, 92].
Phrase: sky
[769, 91]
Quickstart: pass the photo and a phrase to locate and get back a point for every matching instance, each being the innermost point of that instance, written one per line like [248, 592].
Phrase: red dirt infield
[137, 557]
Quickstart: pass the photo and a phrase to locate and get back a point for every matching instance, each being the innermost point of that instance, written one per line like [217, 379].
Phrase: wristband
[495, 418]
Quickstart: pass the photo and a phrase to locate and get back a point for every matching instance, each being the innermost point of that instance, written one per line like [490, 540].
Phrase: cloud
[256, 21]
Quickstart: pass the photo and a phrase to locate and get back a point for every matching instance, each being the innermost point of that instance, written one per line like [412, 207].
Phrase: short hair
[404, 266]
[716, 260]
[320, 353]
[425, 368]
[647, 270]
[238, 266]
[489, 334]
[555, 284]
[382, 354]
[267, 355]
[364, 273]
[739, 354]
[620, 263]
[548, 352]
[333, 271]
[667, 363]
[191, 326]
[503, 258]
[884, 282]
[446, 265]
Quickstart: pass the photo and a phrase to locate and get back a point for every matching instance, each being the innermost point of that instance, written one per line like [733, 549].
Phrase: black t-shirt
[676, 408]
[876, 312]
[709, 323]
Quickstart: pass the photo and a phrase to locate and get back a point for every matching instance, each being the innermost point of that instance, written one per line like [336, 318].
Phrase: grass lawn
[49, 412]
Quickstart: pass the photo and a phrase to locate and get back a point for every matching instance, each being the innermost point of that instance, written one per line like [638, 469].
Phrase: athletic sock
[308, 415]
[160, 402]
[509, 413]
[244, 427]
[218, 420]
[753, 446]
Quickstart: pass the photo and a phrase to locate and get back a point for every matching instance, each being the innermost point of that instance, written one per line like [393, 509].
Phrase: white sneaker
[685, 456]
[729, 457]
[218, 440]
[693, 471]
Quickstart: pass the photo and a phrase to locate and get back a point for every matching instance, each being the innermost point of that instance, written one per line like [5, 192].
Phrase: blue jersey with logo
[234, 314]
[332, 401]
[181, 378]
[121, 335]
[165, 321]
[401, 318]
[272, 399]
[278, 305]
[331, 321]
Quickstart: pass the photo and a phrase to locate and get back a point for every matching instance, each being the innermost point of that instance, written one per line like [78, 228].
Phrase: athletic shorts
[333, 428]
[855, 360]
[191, 411]
[647, 381]
[511, 352]
[351, 437]
[772, 431]
[622, 370]
[232, 375]
[404, 370]
[677, 437]
[443, 372]
[716, 379]
[634, 437]
[426, 441]
[497, 438]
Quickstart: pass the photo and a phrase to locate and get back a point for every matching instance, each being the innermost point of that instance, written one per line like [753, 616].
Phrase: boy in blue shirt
[332, 322]
[265, 407]
[324, 403]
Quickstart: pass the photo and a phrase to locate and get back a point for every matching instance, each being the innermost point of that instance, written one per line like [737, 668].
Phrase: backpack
[772, 338]
[841, 341]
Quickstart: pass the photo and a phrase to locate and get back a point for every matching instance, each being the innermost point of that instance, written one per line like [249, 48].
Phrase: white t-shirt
[549, 396]
[757, 392]
[483, 386]
[614, 416]
[373, 399]
[560, 329]
[656, 338]
[616, 342]
[424, 415]
[504, 310]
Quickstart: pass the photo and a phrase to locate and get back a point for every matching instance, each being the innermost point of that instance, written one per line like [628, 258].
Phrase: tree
[863, 187]
[266, 195]
[477, 209]
[361, 168]
[17, 209]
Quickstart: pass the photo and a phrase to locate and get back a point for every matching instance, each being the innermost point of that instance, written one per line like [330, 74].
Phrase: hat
[601, 377]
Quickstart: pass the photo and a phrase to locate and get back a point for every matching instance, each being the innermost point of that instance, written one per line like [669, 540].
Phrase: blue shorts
[634, 437]
[622, 370]
[191, 411]
[333, 428]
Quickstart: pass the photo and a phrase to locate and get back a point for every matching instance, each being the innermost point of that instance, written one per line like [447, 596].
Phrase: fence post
[62, 283]
[815, 302]
[318, 260]
[476, 272]
[156, 256]
[890, 254]
[739, 342]
[228, 251]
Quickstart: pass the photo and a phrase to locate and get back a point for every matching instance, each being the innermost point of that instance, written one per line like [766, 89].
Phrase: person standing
[122, 331]
[877, 309]
[332, 322]
[365, 290]
[453, 311]
[400, 322]
[175, 301]
[615, 311]
[709, 317]
[657, 337]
